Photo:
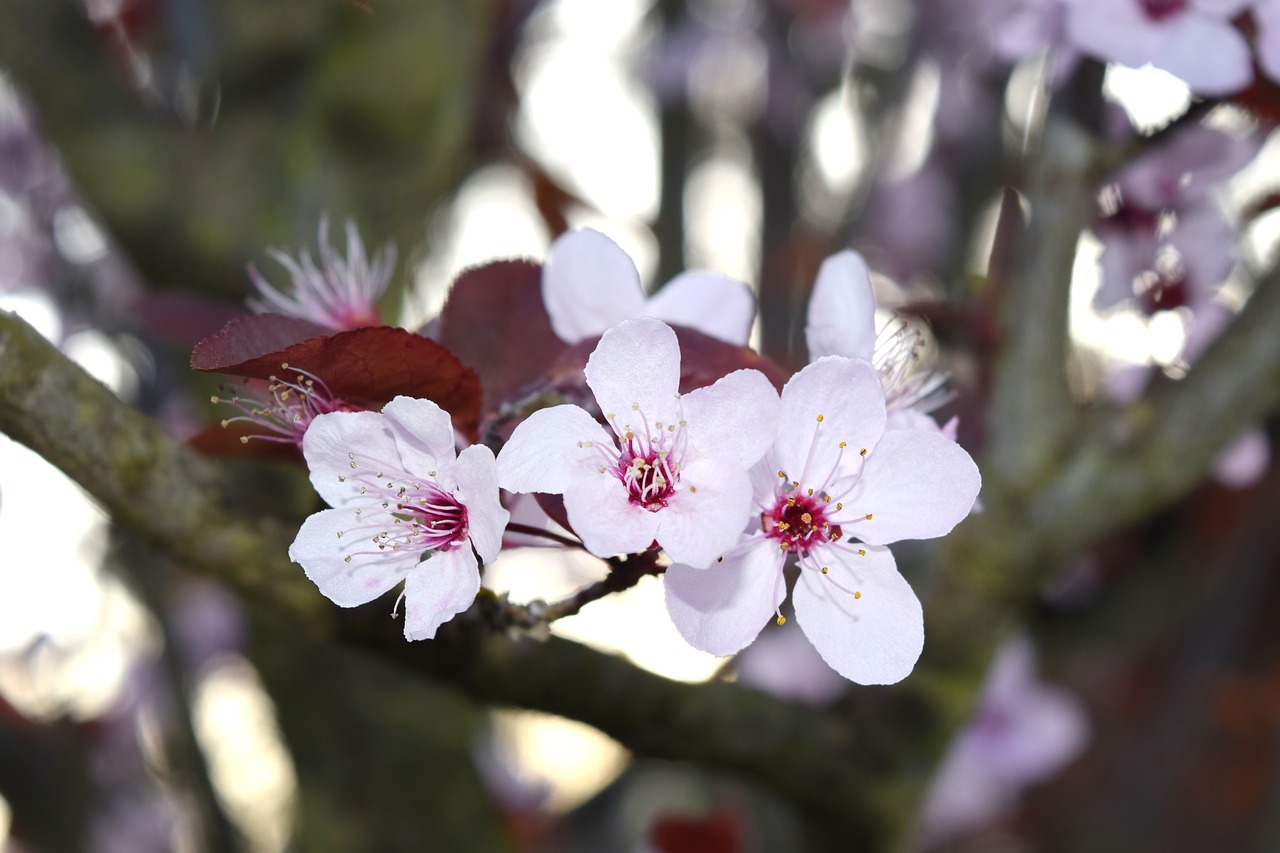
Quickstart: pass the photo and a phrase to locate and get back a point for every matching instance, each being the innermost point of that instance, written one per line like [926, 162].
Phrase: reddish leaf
[366, 367]
[250, 337]
[495, 322]
[182, 318]
[717, 833]
[219, 441]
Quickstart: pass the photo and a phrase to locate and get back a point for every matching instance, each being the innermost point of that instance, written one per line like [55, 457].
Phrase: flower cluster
[681, 442]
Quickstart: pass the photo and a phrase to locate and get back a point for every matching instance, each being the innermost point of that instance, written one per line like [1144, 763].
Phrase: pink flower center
[799, 522]
[289, 409]
[647, 460]
[1158, 10]
[400, 511]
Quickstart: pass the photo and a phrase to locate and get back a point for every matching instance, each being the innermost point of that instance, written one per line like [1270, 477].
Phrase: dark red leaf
[716, 833]
[219, 441]
[495, 322]
[182, 318]
[367, 367]
[250, 337]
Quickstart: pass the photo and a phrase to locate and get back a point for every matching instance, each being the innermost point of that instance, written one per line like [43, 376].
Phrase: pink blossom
[1191, 39]
[338, 294]
[1244, 461]
[841, 321]
[1023, 732]
[833, 474]
[590, 284]
[405, 507]
[671, 468]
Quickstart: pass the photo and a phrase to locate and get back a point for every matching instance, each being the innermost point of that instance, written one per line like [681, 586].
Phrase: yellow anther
[857, 595]
[806, 518]
[811, 493]
[825, 570]
[862, 552]
[868, 516]
[693, 489]
[635, 407]
[782, 620]
[819, 418]
[839, 505]
[782, 474]
[843, 445]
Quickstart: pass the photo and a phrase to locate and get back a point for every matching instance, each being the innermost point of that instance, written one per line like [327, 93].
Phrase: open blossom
[833, 474]
[670, 468]
[1191, 39]
[590, 284]
[404, 508]
[339, 293]
[842, 321]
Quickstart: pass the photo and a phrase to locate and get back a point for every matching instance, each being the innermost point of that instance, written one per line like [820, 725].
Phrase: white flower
[404, 508]
[841, 321]
[833, 473]
[590, 284]
[1191, 39]
[671, 468]
[338, 294]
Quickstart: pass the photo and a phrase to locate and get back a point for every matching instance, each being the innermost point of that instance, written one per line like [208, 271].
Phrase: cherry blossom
[841, 321]
[590, 284]
[338, 294]
[1022, 732]
[1191, 39]
[670, 468]
[833, 474]
[1165, 240]
[405, 507]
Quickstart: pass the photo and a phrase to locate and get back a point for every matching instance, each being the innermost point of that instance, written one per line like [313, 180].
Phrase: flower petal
[423, 432]
[721, 609]
[322, 546]
[605, 519]
[714, 304]
[338, 443]
[552, 449]
[848, 396]
[588, 285]
[735, 418]
[636, 365]
[1209, 54]
[707, 515]
[842, 309]
[916, 485]
[476, 475]
[439, 589]
[875, 638]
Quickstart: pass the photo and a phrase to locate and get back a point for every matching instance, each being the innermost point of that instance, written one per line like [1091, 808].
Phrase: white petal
[1208, 53]
[707, 515]
[722, 608]
[1120, 32]
[322, 554]
[334, 441]
[735, 418]
[551, 449]
[636, 365]
[849, 397]
[714, 304]
[875, 638]
[916, 485]
[423, 432]
[607, 522]
[476, 474]
[439, 589]
[588, 285]
[842, 309]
